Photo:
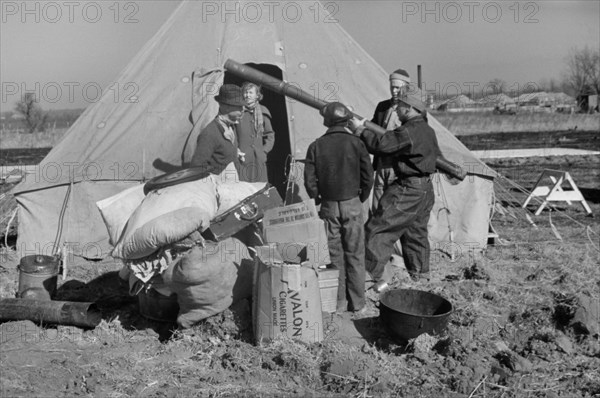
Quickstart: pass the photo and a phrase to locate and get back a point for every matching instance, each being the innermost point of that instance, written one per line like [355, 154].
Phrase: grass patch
[465, 123]
[46, 139]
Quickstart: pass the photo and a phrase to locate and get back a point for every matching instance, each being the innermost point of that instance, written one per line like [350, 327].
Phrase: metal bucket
[409, 313]
[158, 307]
[38, 275]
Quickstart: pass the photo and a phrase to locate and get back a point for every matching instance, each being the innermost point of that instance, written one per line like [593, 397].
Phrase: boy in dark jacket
[339, 175]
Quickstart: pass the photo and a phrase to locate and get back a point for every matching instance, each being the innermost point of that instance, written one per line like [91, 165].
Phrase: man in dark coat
[403, 211]
[255, 136]
[339, 175]
[217, 144]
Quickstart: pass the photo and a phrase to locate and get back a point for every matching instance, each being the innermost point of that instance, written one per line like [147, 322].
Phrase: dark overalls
[404, 208]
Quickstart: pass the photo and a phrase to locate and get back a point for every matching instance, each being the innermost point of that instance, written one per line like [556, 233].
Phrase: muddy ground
[526, 323]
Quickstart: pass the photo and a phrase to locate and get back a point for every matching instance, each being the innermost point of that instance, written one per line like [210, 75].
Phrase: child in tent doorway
[255, 136]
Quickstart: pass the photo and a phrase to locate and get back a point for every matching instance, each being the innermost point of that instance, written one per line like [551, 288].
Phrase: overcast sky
[459, 44]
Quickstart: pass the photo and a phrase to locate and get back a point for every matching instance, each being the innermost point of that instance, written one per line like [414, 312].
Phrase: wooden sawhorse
[552, 190]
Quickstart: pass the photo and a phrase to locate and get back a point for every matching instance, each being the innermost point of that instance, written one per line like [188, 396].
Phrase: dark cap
[230, 94]
[335, 113]
[413, 102]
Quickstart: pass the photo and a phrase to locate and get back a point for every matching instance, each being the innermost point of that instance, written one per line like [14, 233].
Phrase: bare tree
[32, 112]
[551, 85]
[583, 71]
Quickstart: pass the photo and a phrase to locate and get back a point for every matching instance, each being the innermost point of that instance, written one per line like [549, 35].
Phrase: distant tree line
[581, 76]
[28, 116]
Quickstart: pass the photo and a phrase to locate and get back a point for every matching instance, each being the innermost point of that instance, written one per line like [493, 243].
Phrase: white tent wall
[459, 221]
[147, 122]
[50, 218]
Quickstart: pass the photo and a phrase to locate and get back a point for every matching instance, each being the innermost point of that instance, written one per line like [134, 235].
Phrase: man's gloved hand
[355, 123]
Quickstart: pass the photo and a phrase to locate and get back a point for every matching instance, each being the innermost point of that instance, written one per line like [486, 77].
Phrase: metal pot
[408, 313]
[38, 275]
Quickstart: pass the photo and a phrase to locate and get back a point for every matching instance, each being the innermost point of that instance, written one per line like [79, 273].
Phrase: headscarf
[257, 118]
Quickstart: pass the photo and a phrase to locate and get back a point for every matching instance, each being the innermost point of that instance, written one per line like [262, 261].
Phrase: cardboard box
[298, 232]
[286, 299]
[290, 214]
[328, 286]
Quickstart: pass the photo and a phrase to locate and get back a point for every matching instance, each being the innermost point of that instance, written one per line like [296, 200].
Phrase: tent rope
[447, 212]
[551, 207]
[12, 217]
[554, 230]
[61, 219]
[506, 194]
[286, 174]
[587, 232]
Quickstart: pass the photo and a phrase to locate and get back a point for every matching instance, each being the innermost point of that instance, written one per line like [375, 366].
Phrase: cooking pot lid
[39, 263]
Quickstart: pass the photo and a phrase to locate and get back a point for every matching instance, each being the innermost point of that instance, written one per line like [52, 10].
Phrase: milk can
[38, 275]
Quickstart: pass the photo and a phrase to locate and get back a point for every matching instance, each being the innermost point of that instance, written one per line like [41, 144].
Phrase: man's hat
[400, 74]
[413, 102]
[230, 94]
[335, 113]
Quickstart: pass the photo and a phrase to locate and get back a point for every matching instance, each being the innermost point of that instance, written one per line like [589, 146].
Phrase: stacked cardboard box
[298, 232]
[286, 300]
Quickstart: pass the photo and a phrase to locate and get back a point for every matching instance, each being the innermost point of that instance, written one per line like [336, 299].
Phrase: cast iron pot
[408, 313]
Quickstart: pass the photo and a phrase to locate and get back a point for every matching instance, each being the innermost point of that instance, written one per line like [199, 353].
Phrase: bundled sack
[230, 193]
[166, 216]
[117, 209]
[207, 280]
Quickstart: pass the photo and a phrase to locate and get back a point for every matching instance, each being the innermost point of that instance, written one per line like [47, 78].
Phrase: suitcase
[246, 212]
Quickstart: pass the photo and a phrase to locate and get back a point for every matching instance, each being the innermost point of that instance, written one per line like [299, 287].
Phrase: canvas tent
[165, 98]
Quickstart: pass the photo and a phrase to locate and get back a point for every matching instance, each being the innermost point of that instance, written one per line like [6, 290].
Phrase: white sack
[166, 216]
[117, 209]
